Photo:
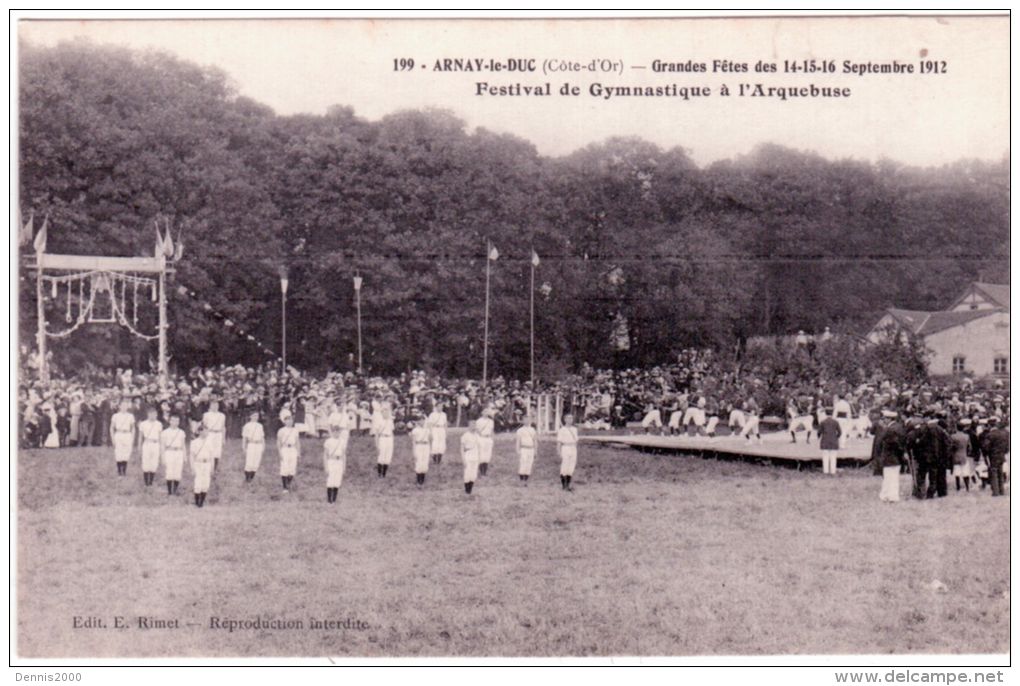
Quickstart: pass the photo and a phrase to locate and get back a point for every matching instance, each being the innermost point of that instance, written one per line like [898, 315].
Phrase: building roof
[998, 293]
[921, 323]
[995, 293]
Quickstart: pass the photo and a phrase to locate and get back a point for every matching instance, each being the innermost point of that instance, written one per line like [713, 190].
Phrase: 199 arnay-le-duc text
[719, 66]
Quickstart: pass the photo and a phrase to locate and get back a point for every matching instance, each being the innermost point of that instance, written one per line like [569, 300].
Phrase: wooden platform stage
[775, 448]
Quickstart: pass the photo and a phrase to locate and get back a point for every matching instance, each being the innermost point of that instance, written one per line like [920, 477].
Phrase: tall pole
[532, 321]
[164, 372]
[40, 310]
[357, 301]
[485, 342]
[283, 315]
[283, 306]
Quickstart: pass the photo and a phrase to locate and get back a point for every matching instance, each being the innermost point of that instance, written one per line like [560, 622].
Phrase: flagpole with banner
[40, 248]
[490, 254]
[534, 264]
[357, 300]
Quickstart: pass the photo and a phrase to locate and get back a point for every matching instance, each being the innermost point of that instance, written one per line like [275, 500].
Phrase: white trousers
[203, 475]
[150, 456]
[829, 461]
[802, 423]
[385, 447]
[484, 449]
[568, 459]
[335, 473]
[470, 468]
[845, 426]
[122, 447]
[253, 456]
[438, 439]
[527, 456]
[216, 443]
[421, 458]
[173, 464]
[288, 461]
[890, 484]
[750, 426]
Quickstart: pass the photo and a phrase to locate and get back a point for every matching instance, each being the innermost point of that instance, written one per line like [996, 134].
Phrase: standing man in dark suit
[829, 432]
[890, 442]
[995, 445]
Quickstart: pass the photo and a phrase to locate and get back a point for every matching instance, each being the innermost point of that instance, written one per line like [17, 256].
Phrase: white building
[970, 337]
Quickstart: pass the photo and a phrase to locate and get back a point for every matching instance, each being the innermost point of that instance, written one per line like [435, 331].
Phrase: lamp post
[357, 301]
[284, 282]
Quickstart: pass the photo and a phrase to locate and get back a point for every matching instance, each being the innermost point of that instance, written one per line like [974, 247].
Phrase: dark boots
[331, 494]
[381, 469]
[419, 479]
[468, 486]
[200, 499]
[565, 482]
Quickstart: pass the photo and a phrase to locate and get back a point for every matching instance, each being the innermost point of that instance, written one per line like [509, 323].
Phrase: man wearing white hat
[799, 421]
[122, 435]
[288, 443]
[486, 428]
[253, 445]
[527, 444]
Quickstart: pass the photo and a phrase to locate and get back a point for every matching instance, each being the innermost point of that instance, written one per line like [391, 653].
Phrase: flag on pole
[179, 249]
[159, 242]
[40, 238]
[168, 245]
[534, 259]
[27, 229]
[493, 253]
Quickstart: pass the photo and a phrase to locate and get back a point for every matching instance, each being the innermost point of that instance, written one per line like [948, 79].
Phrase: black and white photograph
[512, 340]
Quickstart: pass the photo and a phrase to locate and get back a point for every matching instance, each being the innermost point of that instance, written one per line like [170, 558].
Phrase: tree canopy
[631, 237]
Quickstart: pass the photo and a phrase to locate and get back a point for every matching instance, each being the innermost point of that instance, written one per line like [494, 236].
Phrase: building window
[1001, 365]
[959, 364]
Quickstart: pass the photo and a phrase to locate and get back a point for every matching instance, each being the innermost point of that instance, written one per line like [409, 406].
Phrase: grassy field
[651, 555]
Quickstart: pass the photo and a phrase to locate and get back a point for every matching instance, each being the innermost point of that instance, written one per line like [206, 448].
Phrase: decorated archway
[104, 290]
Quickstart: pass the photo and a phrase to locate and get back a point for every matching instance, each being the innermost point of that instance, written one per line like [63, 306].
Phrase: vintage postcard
[639, 338]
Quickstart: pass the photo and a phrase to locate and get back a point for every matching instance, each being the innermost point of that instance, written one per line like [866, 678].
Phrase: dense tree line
[642, 251]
